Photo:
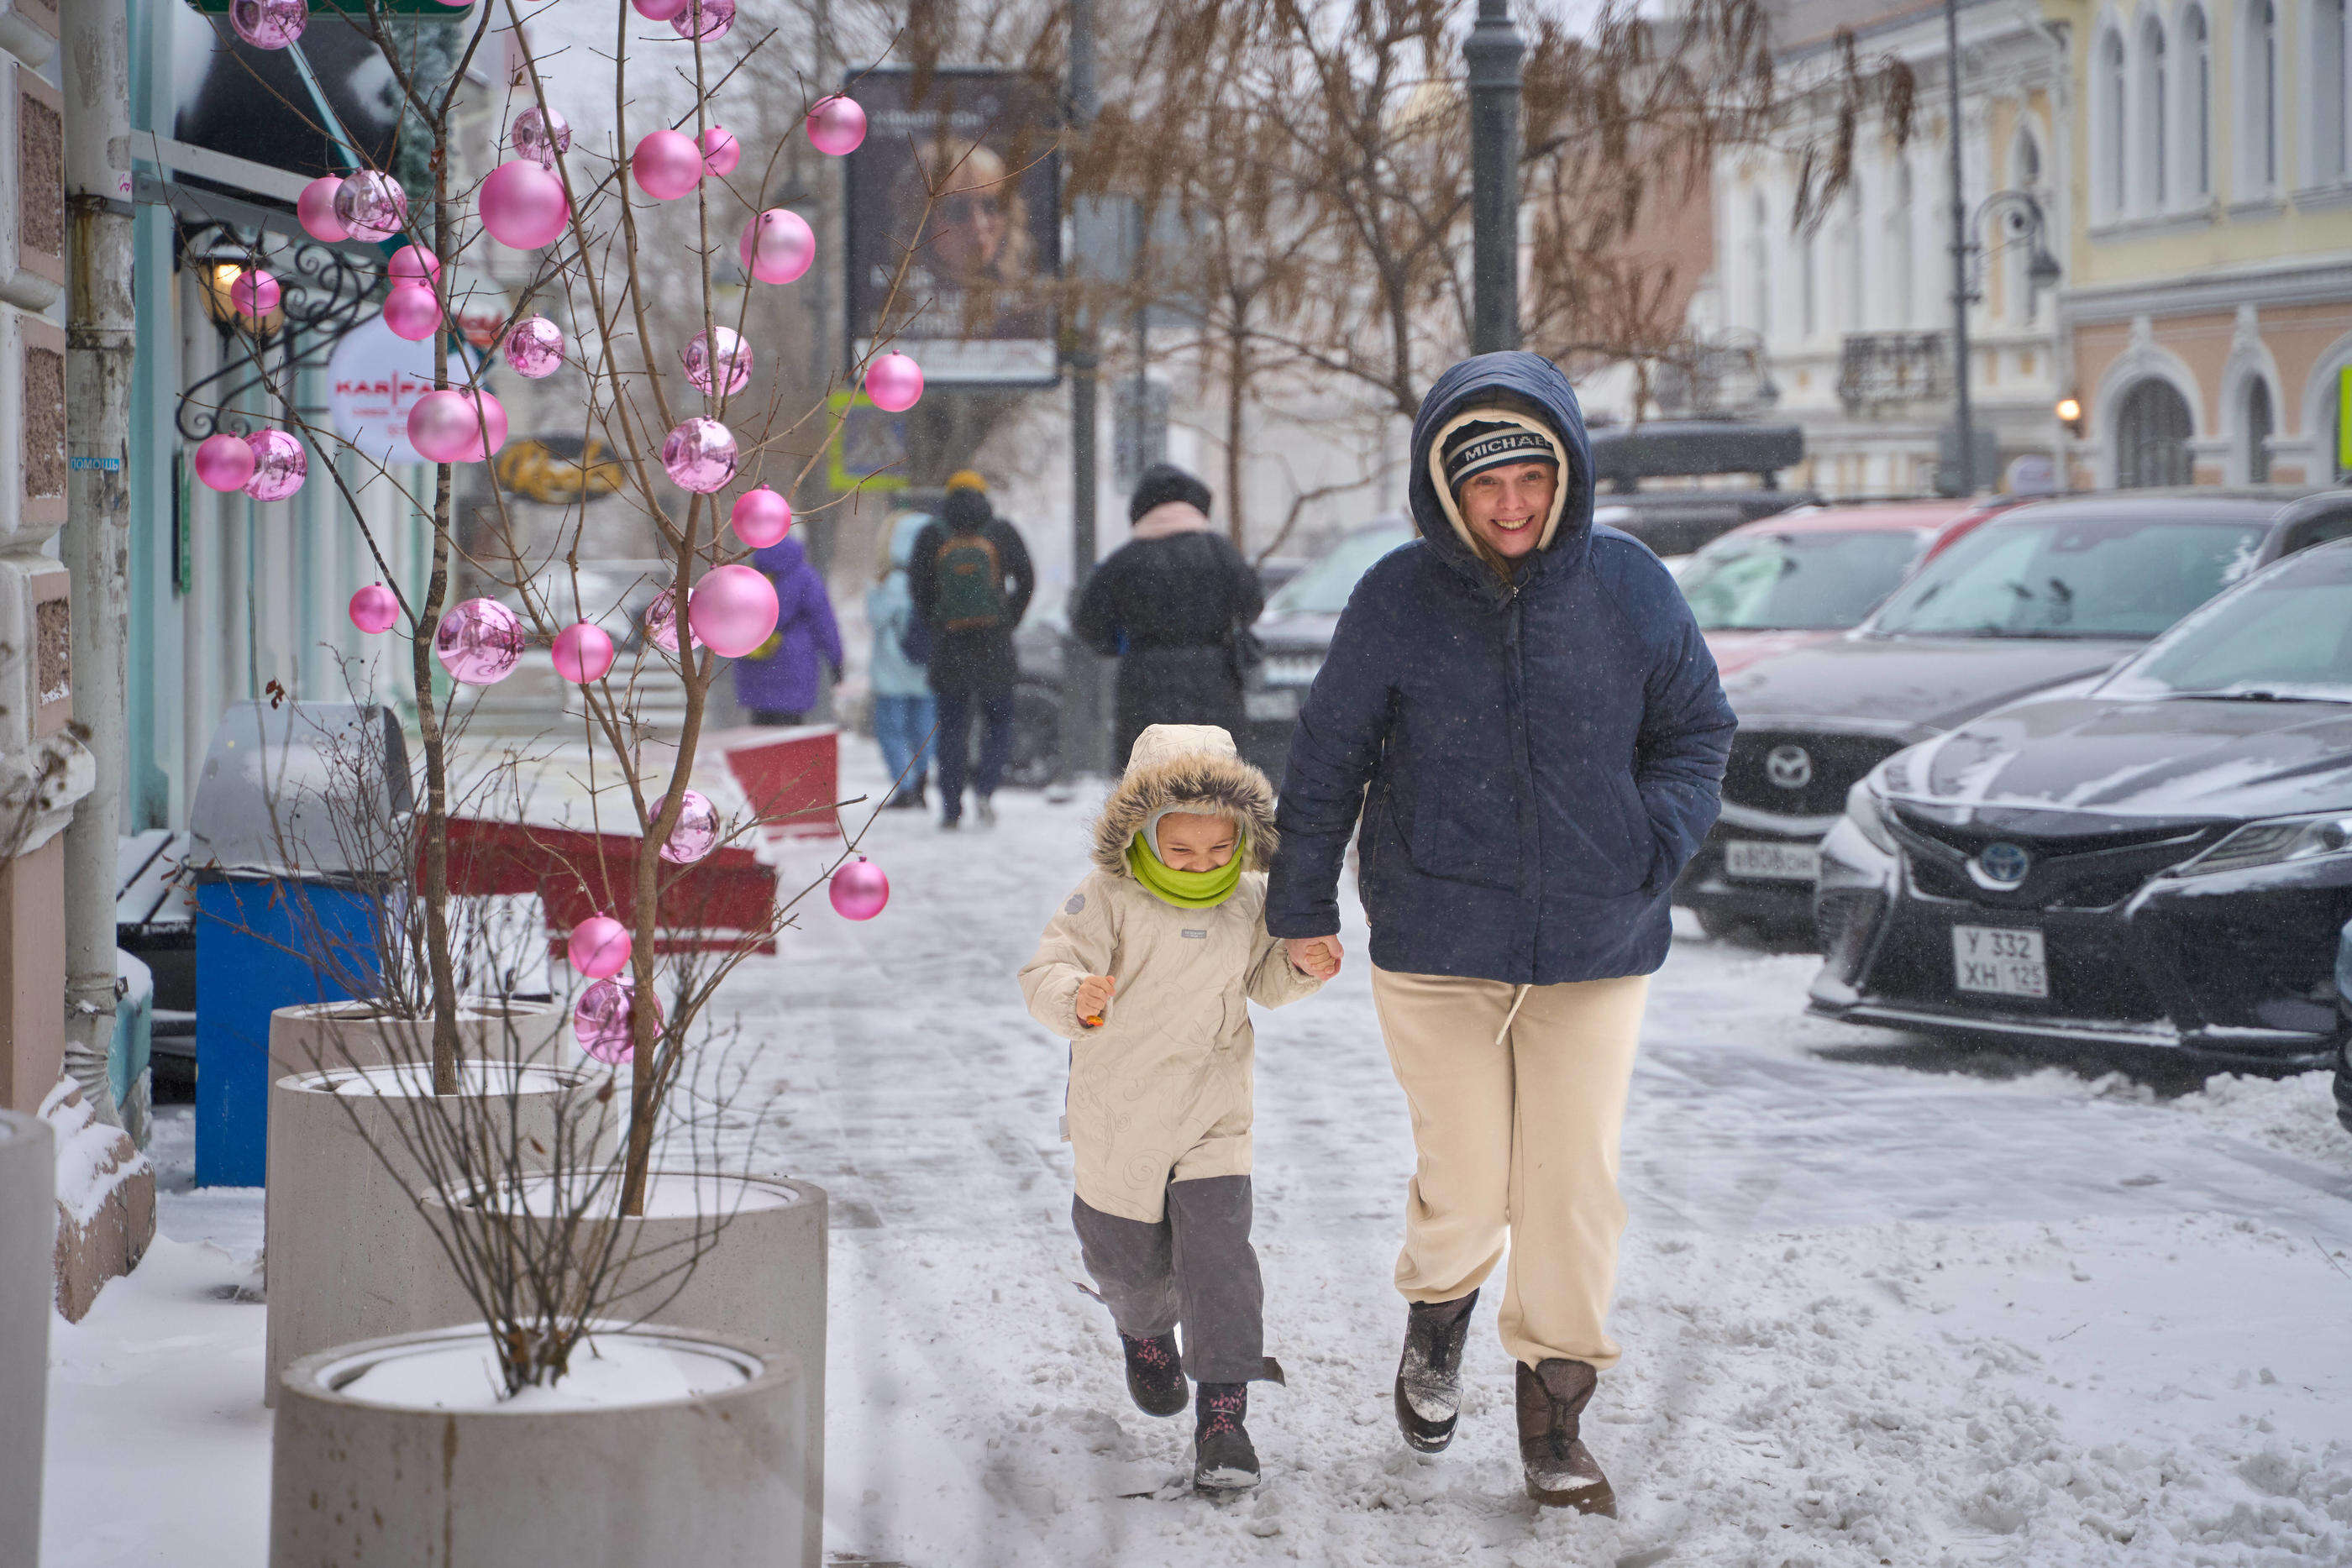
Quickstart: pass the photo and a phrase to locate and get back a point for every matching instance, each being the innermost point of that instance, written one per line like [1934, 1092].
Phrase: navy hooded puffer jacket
[1532, 762]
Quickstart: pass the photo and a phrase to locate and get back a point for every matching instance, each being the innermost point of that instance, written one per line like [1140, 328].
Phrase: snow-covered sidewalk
[1873, 1314]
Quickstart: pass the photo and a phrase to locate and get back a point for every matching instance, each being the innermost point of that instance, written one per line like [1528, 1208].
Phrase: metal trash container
[298, 841]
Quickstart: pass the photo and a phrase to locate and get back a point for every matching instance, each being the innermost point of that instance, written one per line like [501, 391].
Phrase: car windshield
[2072, 577]
[1323, 589]
[2288, 637]
[1799, 580]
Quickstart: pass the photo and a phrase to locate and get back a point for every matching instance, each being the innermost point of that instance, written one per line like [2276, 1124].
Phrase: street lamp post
[1494, 51]
[1965, 457]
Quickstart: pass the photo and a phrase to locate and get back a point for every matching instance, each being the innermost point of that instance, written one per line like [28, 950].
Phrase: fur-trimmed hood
[1185, 768]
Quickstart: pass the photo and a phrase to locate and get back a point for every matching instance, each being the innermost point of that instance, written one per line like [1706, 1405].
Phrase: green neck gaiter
[1186, 889]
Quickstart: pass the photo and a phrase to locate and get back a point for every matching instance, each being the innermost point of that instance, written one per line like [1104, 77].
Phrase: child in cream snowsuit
[1149, 971]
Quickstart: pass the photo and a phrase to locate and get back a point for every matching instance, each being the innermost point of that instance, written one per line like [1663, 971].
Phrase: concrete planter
[708, 1477]
[328, 1036]
[28, 1221]
[346, 1255]
[759, 1278]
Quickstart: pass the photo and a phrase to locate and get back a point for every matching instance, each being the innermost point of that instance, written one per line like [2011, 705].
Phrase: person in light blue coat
[904, 711]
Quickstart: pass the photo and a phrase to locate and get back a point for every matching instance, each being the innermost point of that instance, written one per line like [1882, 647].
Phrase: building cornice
[2322, 280]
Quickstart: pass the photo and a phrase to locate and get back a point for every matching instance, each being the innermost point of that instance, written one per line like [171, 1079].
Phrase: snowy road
[1873, 1314]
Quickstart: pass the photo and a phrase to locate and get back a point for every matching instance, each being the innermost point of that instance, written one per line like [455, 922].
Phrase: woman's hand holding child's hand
[1317, 957]
[1094, 996]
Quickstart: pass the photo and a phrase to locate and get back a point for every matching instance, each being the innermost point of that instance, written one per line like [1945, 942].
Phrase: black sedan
[2161, 856]
[2050, 593]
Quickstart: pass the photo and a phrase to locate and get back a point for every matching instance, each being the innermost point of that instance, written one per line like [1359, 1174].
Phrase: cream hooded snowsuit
[1160, 1092]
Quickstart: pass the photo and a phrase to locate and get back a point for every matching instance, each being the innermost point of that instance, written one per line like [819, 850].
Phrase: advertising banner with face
[955, 225]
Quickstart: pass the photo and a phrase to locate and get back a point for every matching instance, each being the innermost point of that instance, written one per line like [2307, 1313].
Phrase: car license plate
[1274, 704]
[1775, 862]
[2000, 961]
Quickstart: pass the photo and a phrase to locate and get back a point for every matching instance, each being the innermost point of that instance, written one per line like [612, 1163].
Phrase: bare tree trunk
[428, 718]
[1236, 401]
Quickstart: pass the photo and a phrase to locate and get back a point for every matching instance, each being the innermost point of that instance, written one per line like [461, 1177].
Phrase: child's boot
[1222, 1459]
[1155, 1376]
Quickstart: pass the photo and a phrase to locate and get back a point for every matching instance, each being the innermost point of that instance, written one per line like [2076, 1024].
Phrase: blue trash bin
[296, 846]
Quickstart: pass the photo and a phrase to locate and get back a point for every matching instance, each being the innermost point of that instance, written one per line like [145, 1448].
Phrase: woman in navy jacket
[1521, 721]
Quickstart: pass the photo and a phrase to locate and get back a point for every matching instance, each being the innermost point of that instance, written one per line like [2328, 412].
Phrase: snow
[1884, 1299]
[91, 1166]
[605, 1372]
[666, 1196]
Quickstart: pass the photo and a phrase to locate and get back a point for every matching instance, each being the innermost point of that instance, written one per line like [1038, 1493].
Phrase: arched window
[1900, 265]
[1759, 272]
[2260, 425]
[2112, 145]
[2329, 161]
[2152, 428]
[2197, 81]
[2155, 123]
[2258, 82]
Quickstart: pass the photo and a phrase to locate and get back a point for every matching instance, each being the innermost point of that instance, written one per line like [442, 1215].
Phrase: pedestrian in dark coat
[972, 580]
[778, 680]
[1519, 709]
[1169, 605]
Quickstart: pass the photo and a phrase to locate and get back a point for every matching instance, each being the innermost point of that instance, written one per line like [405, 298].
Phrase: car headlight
[1866, 807]
[2275, 843]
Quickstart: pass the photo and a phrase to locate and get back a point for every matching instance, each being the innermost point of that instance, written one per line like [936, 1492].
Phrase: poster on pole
[955, 225]
[374, 380]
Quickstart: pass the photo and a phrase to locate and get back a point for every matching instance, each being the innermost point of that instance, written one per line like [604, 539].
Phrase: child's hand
[1317, 957]
[1094, 996]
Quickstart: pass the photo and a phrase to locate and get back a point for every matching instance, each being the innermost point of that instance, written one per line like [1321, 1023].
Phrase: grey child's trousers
[1195, 1267]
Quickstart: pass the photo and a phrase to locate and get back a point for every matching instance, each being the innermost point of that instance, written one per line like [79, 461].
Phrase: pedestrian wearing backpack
[972, 580]
[1173, 605]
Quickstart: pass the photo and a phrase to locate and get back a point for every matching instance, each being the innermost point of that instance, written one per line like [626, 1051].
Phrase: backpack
[968, 579]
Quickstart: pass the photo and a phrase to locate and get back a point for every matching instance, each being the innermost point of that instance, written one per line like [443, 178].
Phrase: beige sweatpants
[1517, 1126]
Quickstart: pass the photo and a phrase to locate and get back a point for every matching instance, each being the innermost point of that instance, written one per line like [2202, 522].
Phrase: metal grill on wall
[326, 291]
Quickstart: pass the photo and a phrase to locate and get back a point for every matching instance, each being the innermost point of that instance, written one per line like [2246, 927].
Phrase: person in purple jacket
[776, 681]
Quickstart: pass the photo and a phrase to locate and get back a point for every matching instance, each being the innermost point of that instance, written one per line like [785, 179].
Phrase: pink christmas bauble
[535, 347]
[523, 206]
[255, 294]
[280, 465]
[661, 621]
[777, 245]
[895, 383]
[413, 311]
[224, 462]
[699, 456]
[371, 206]
[269, 23]
[600, 947]
[316, 208]
[667, 165]
[761, 518]
[859, 889]
[601, 1021]
[733, 609]
[721, 151]
[413, 264]
[478, 642]
[836, 125]
[444, 428]
[540, 134]
[582, 652]
[697, 831]
[706, 19]
[658, 10]
[375, 609]
[732, 357]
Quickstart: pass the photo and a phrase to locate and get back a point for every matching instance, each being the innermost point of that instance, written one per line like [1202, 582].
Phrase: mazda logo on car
[1789, 767]
[2002, 865]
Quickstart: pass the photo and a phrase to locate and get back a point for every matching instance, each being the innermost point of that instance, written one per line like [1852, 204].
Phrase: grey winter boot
[1429, 1374]
[1155, 1375]
[1561, 1471]
[1224, 1461]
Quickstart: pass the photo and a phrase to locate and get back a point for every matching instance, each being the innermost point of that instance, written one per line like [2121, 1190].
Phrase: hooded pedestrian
[1148, 971]
[777, 681]
[1171, 605]
[971, 582]
[904, 712]
[1519, 711]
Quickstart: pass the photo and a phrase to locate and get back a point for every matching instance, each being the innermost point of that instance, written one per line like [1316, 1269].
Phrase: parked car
[1675, 524]
[2036, 596]
[1295, 631]
[2160, 856]
[1806, 576]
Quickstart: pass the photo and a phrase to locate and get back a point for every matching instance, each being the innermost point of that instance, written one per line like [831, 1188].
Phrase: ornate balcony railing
[1876, 369]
